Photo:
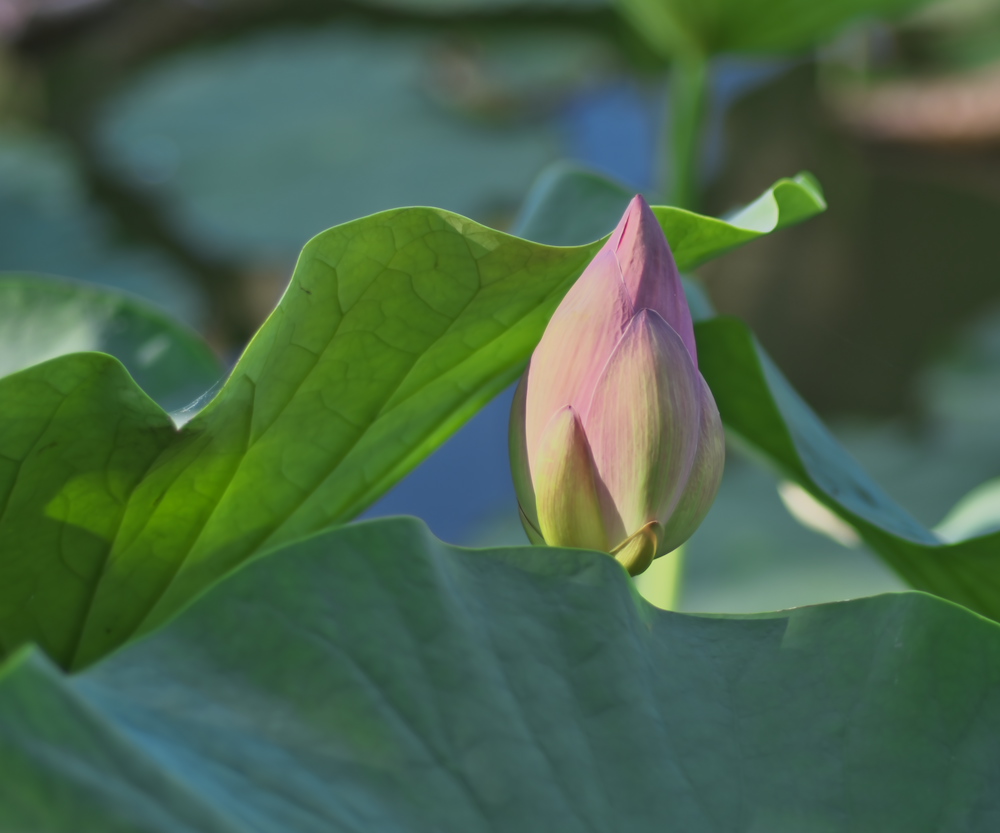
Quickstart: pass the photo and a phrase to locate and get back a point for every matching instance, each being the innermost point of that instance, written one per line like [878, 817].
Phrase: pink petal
[649, 271]
[643, 425]
[569, 511]
[580, 336]
[704, 479]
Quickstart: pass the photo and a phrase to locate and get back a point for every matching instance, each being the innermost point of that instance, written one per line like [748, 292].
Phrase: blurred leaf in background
[49, 223]
[43, 317]
[258, 145]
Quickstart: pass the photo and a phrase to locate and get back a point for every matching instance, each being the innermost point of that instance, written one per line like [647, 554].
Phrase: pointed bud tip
[649, 271]
[638, 225]
[638, 203]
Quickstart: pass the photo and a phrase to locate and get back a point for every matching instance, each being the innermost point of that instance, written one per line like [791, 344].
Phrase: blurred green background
[185, 151]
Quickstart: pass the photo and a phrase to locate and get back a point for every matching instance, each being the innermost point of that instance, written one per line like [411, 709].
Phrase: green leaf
[374, 679]
[758, 405]
[679, 27]
[569, 205]
[43, 317]
[395, 329]
[76, 436]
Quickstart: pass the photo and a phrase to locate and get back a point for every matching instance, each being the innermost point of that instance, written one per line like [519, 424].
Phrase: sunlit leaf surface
[394, 330]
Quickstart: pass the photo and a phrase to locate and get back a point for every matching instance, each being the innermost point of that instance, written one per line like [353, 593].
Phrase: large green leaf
[679, 27]
[42, 317]
[758, 404]
[373, 679]
[394, 330]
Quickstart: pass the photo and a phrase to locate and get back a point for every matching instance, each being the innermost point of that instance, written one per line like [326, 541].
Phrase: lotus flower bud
[616, 442]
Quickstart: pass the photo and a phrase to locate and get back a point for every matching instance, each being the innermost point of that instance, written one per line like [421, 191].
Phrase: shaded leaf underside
[758, 405]
[372, 678]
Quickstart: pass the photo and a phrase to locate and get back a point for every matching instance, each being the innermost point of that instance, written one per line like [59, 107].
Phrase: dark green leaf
[759, 405]
[43, 317]
[373, 679]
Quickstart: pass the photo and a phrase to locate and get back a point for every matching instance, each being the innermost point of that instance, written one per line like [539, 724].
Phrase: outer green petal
[534, 536]
[644, 422]
[519, 468]
[637, 551]
[703, 482]
[569, 511]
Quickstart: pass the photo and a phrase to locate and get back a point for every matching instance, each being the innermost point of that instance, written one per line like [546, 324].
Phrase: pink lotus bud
[615, 439]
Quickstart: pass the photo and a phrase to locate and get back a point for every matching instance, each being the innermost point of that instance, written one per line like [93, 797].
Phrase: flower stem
[688, 96]
[661, 583]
